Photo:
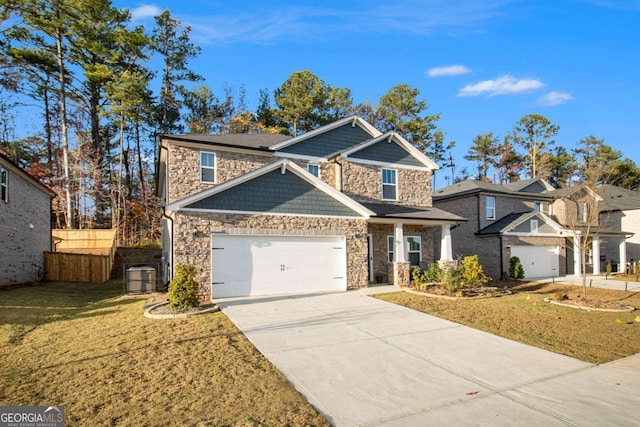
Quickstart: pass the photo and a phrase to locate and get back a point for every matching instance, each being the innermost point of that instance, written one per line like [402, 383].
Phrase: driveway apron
[365, 362]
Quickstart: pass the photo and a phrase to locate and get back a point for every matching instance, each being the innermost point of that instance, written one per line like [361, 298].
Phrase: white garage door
[271, 265]
[538, 261]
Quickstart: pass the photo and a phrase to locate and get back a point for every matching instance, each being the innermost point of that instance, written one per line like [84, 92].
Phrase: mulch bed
[593, 305]
[439, 291]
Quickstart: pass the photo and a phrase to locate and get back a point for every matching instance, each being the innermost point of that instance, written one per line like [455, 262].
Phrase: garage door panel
[538, 261]
[269, 265]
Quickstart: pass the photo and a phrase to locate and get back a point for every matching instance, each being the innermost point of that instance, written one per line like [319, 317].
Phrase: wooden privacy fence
[81, 256]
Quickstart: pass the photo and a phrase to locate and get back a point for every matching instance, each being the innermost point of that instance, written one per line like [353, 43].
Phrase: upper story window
[389, 184]
[207, 167]
[314, 169]
[491, 207]
[538, 207]
[582, 212]
[4, 184]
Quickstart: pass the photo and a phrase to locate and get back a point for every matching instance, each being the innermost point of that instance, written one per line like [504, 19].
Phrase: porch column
[577, 256]
[398, 244]
[446, 252]
[623, 256]
[595, 251]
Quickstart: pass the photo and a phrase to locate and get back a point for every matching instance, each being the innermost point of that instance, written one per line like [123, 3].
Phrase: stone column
[595, 251]
[399, 274]
[446, 251]
[577, 256]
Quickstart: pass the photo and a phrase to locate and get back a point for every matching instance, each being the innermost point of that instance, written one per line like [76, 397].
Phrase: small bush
[472, 273]
[451, 276]
[516, 271]
[560, 296]
[183, 289]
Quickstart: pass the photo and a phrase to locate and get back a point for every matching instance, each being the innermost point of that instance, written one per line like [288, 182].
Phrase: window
[538, 207]
[413, 249]
[582, 212]
[207, 167]
[4, 184]
[314, 169]
[534, 226]
[389, 184]
[491, 207]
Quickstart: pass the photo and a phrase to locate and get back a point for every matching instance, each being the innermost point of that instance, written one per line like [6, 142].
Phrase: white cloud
[450, 70]
[555, 98]
[505, 85]
[145, 11]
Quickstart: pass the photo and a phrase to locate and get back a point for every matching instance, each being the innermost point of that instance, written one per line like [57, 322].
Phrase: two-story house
[338, 207]
[25, 224]
[544, 227]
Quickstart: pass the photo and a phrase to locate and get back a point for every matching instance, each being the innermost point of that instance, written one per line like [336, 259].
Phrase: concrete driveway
[366, 362]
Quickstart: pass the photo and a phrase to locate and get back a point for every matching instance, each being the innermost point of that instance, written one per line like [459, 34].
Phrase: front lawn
[592, 336]
[87, 348]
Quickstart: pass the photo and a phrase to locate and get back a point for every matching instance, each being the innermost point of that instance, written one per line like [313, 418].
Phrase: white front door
[269, 265]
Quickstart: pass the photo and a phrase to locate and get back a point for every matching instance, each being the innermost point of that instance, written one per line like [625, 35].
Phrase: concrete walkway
[365, 362]
[596, 282]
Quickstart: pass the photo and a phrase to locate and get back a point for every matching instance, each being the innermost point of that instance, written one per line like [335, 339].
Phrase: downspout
[478, 216]
[170, 252]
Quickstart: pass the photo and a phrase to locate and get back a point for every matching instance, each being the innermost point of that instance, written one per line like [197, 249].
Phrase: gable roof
[256, 141]
[280, 188]
[472, 186]
[16, 168]
[389, 148]
[617, 198]
[511, 221]
[327, 141]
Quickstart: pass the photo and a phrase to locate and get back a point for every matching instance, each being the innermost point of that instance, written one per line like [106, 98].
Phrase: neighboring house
[25, 224]
[335, 208]
[535, 222]
[621, 211]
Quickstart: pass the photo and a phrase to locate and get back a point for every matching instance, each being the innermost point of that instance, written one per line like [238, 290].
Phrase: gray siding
[21, 245]
[388, 152]
[275, 192]
[330, 142]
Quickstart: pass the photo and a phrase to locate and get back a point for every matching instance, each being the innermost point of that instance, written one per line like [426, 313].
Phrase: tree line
[84, 68]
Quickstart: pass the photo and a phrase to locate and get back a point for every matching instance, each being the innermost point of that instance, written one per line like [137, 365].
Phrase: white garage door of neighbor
[538, 261]
[271, 265]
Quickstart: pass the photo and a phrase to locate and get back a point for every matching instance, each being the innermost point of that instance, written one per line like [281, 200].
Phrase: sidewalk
[596, 282]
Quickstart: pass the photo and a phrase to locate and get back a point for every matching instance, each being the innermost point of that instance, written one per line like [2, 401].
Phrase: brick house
[25, 224]
[537, 223]
[338, 207]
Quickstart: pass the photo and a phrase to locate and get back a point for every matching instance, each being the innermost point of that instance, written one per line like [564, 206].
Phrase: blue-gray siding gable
[387, 152]
[274, 192]
[330, 142]
[534, 187]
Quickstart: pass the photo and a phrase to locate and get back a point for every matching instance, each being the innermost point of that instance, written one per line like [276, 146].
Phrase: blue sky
[481, 64]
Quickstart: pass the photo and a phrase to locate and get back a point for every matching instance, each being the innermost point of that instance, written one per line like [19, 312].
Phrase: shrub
[516, 271]
[183, 289]
[609, 268]
[560, 296]
[451, 276]
[472, 273]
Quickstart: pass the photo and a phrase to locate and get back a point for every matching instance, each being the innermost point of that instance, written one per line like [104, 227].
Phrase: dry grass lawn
[592, 336]
[87, 348]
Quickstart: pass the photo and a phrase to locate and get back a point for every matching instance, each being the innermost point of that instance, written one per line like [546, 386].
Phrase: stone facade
[192, 236]
[364, 183]
[183, 169]
[399, 274]
[25, 229]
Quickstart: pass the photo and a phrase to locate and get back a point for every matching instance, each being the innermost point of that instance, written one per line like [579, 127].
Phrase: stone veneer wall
[21, 245]
[364, 183]
[196, 250]
[184, 169]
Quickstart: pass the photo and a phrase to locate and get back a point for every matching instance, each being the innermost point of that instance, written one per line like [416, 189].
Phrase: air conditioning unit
[141, 280]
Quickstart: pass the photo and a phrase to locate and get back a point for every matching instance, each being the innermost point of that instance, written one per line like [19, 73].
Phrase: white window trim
[4, 184]
[390, 246]
[534, 226]
[214, 167]
[395, 171]
[486, 208]
[316, 165]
